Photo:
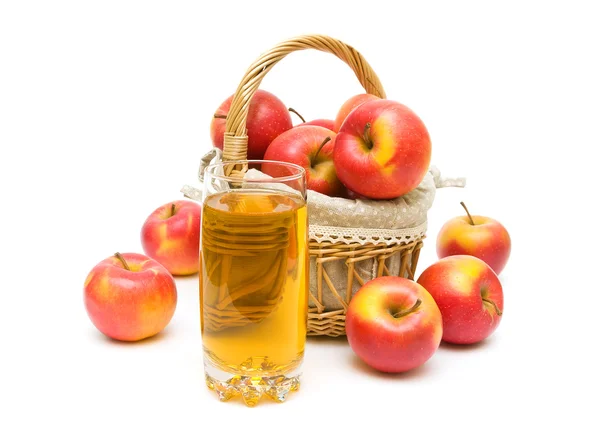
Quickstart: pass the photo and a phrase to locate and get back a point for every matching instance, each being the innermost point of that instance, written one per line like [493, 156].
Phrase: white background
[104, 115]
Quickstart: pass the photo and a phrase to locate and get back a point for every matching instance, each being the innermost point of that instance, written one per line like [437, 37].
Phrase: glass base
[251, 388]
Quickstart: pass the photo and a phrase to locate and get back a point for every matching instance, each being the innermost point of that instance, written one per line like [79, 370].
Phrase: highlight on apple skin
[479, 236]
[393, 324]
[469, 296]
[130, 297]
[171, 236]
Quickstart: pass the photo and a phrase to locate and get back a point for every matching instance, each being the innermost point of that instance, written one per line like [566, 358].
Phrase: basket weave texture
[388, 259]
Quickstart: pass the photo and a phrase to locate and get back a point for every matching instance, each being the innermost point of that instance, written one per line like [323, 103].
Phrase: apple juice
[253, 282]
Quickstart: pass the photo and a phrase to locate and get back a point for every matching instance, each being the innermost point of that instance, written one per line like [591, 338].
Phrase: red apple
[310, 147]
[481, 237]
[171, 236]
[327, 123]
[130, 297]
[393, 324]
[383, 150]
[267, 118]
[469, 296]
[350, 105]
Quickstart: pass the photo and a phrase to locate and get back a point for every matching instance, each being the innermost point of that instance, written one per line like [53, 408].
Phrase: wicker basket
[320, 320]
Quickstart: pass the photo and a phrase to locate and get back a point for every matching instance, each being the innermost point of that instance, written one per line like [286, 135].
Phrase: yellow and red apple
[310, 147]
[130, 297]
[469, 295]
[393, 324]
[171, 236]
[481, 237]
[383, 150]
[350, 105]
[267, 118]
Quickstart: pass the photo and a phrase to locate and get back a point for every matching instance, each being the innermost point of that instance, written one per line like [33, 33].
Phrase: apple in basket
[393, 324]
[310, 147]
[382, 150]
[327, 123]
[267, 118]
[469, 296]
[479, 236]
[350, 105]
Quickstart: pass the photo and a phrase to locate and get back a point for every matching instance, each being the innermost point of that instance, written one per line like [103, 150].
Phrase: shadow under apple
[466, 347]
[164, 334]
[416, 373]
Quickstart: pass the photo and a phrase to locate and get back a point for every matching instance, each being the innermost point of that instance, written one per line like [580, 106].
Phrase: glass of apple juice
[254, 279]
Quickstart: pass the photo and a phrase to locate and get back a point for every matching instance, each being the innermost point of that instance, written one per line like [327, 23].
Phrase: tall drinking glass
[254, 279]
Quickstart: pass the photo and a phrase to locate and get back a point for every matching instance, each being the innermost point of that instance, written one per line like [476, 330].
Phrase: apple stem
[406, 312]
[220, 116]
[327, 139]
[366, 135]
[489, 301]
[470, 218]
[297, 114]
[122, 260]
[172, 209]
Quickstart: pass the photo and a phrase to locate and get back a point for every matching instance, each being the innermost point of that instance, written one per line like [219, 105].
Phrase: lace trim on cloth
[364, 236]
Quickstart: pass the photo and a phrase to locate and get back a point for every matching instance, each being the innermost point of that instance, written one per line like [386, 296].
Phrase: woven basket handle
[236, 141]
